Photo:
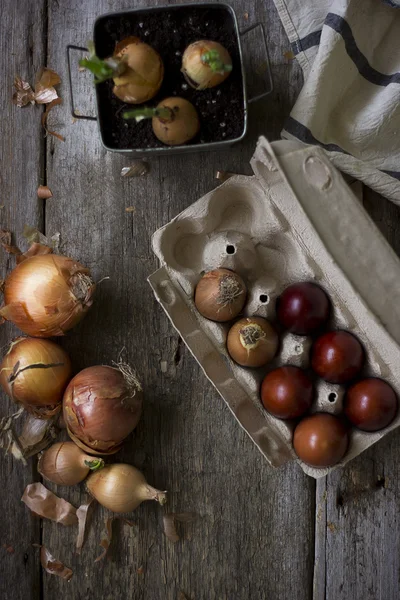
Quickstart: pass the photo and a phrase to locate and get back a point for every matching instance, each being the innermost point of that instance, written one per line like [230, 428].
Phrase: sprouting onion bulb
[252, 342]
[220, 295]
[47, 294]
[101, 406]
[35, 372]
[66, 464]
[206, 64]
[121, 488]
[135, 67]
[174, 120]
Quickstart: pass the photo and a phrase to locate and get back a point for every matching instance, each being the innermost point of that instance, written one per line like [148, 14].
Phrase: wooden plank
[362, 517]
[362, 533]
[22, 51]
[320, 558]
[254, 537]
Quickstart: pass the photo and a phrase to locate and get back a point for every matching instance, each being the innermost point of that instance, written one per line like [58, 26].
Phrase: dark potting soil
[170, 31]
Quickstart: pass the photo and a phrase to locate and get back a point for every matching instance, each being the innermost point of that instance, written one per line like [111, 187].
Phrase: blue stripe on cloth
[308, 41]
[338, 24]
[395, 174]
[304, 134]
[301, 132]
[392, 3]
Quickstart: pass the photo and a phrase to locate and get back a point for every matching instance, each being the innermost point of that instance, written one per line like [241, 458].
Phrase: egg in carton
[294, 220]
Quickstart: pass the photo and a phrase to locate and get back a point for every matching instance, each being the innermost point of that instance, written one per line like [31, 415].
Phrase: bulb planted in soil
[206, 64]
[170, 32]
[174, 120]
[135, 67]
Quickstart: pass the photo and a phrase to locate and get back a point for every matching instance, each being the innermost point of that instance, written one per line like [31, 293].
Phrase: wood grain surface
[261, 534]
[22, 52]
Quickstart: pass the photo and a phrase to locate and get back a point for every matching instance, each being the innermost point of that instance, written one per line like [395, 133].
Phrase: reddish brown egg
[302, 308]
[371, 404]
[287, 392]
[320, 440]
[337, 356]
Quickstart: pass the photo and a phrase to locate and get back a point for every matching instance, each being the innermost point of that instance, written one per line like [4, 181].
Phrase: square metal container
[187, 148]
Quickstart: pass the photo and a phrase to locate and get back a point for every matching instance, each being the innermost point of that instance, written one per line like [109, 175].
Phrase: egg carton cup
[294, 220]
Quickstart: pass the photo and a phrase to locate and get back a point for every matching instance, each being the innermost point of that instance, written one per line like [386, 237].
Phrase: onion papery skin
[252, 342]
[220, 295]
[90, 450]
[35, 373]
[122, 488]
[101, 408]
[46, 295]
[144, 74]
[66, 464]
[199, 74]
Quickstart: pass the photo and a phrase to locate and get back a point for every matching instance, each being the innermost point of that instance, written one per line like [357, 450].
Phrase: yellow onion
[206, 64]
[220, 295]
[252, 342]
[135, 67]
[35, 373]
[47, 294]
[101, 406]
[121, 488]
[144, 74]
[66, 464]
[174, 120]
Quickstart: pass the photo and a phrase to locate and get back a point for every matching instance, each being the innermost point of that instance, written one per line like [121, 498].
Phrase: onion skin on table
[47, 294]
[35, 373]
[101, 407]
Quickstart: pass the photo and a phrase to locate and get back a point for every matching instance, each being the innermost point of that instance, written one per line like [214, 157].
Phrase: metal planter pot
[190, 147]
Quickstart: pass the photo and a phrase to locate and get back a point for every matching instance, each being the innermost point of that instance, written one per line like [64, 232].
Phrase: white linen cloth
[349, 51]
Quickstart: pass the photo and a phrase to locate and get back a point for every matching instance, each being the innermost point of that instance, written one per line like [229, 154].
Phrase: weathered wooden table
[264, 534]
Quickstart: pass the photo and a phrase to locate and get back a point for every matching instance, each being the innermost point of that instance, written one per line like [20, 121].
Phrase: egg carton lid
[319, 205]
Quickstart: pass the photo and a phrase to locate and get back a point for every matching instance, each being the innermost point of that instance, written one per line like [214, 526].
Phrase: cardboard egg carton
[295, 220]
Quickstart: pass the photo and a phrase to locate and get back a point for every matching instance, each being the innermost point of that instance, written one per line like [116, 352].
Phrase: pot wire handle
[264, 66]
[71, 92]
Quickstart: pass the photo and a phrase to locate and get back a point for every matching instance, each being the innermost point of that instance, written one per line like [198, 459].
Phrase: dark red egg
[287, 392]
[371, 404]
[337, 356]
[303, 308]
[320, 440]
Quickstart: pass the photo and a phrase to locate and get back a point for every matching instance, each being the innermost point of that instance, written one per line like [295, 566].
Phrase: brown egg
[371, 404]
[337, 356]
[287, 392]
[303, 307]
[252, 342]
[320, 440]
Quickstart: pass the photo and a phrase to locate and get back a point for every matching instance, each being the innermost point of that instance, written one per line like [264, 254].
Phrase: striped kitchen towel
[349, 51]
